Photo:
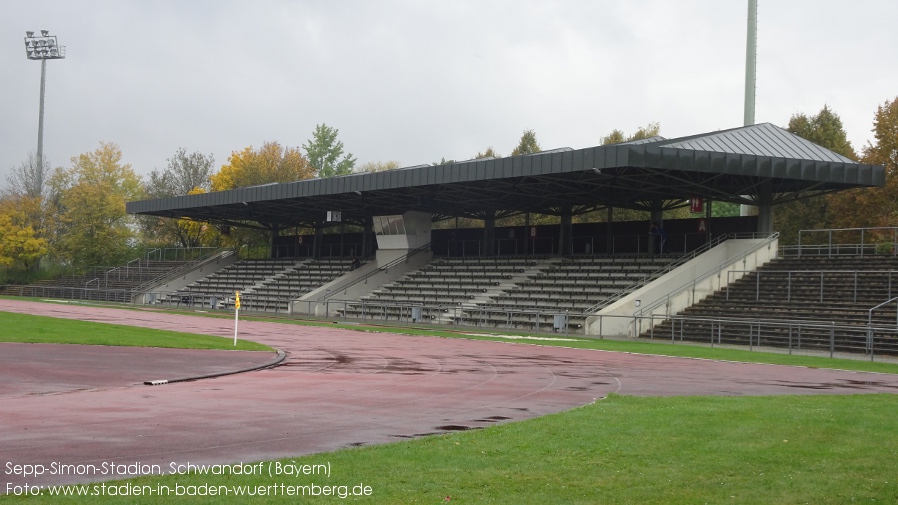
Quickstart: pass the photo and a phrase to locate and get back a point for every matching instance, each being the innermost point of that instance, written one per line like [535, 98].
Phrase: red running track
[337, 388]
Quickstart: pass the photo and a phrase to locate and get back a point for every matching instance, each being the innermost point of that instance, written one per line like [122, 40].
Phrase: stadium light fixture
[43, 48]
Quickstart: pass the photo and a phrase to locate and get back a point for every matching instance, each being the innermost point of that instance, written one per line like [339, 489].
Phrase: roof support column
[274, 252]
[609, 231]
[765, 209]
[565, 231]
[656, 217]
[489, 233]
[316, 244]
[366, 238]
[528, 238]
[708, 204]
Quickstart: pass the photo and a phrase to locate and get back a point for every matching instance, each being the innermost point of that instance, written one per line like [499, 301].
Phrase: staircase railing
[717, 270]
[654, 275]
[380, 269]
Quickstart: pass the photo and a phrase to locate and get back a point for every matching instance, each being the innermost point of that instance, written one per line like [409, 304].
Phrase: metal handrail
[384, 268]
[716, 270]
[870, 327]
[789, 273]
[863, 232]
[202, 261]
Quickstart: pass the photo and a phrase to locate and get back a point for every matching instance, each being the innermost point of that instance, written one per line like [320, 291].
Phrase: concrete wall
[417, 233]
[310, 302]
[678, 289]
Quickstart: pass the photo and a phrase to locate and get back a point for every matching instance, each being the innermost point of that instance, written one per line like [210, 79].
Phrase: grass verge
[43, 329]
[623, 450]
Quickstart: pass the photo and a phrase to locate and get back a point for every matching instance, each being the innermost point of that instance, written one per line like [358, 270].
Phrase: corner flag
[236, 312]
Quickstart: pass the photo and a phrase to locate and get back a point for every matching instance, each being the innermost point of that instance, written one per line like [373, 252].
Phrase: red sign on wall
[702, 226]
[696, 204]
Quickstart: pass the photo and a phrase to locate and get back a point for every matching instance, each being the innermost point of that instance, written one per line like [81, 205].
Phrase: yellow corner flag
[236, 312]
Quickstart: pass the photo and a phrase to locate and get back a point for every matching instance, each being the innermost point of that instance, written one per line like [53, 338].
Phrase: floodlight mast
[43, 48]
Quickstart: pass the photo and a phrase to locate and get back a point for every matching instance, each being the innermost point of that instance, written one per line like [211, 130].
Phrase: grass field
[51, 330]
[818, 449]
[621, 450]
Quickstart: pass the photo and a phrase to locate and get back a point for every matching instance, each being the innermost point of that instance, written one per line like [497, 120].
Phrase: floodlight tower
[751, 62]
[43, 47]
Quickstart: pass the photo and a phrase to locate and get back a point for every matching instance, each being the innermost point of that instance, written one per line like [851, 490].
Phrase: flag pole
[236, 314]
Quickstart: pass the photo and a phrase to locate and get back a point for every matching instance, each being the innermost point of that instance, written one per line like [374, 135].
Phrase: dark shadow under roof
[738, 165]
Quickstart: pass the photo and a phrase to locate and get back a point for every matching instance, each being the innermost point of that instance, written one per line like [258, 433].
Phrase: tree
[185, 174]
[21, 246]
[489, 153]
[527, 145]
[874, 206]
[812, 212]
[23, 179]
[25, 186]
[443, 161]
[617, 136]
[95, 230]
[249, 167]
[825, 129]
[269, 164]
[379, 166]
[324, 150]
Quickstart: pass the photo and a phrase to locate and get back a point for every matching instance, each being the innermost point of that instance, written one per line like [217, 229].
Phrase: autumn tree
[185, 174]
[869, 207]
[617, 136]
[26, 188]
[489, 153]
[812, 212]
[378, 166]
[527, 144]
[324, 152]
[250, 167]
[95, 230]
[21, 246]
[271, 163]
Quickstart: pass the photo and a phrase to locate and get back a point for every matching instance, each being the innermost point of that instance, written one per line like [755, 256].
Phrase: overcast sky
[415, 81]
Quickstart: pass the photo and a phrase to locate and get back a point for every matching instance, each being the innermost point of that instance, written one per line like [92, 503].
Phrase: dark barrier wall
[587, 238]
[630, 237]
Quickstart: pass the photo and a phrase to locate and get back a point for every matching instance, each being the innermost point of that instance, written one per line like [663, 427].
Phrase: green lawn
[758, 450]
[42, 329]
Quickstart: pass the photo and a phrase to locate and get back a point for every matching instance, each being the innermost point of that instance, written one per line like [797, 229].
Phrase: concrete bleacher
[265, 285]
[508, 291]
[113, 284]
[824, 294]
[276, 292]
[445, 285]
[217, 289]
[570, 286]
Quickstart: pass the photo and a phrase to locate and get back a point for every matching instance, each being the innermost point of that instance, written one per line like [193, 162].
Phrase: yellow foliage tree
[94, 228]
[20, 244]
[271, 163]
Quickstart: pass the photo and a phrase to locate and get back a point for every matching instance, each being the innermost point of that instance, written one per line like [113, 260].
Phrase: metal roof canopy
[742, 165]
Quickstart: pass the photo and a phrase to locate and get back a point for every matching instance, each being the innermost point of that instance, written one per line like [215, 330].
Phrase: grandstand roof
[736, 165]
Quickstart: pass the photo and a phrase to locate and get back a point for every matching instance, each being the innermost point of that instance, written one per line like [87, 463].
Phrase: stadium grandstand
[713, 279]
